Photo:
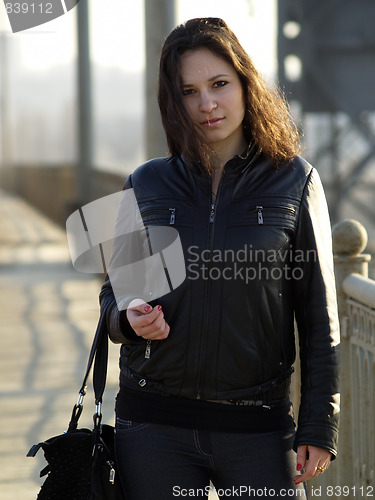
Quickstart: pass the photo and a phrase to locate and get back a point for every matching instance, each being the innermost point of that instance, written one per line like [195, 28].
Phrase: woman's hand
[319, 461]
[146, 321]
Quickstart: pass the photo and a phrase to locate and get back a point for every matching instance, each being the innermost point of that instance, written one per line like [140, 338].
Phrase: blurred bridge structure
[326, 54]
[57, 187]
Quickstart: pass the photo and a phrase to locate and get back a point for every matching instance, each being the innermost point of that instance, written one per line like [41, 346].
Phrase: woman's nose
[207, 103]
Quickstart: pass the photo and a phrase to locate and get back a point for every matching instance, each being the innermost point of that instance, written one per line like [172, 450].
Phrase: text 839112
[26, 8]
[343, 491]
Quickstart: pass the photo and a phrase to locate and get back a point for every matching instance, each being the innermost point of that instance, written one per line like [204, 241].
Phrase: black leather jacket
[257, 259]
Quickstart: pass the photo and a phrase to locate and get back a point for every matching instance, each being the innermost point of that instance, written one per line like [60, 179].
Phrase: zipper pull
[212, 213]
[260, 214]
[173, 216]
[148, 350]
[112, 472]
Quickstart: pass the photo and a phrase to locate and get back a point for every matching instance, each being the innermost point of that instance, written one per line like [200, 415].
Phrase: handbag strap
[99, 357]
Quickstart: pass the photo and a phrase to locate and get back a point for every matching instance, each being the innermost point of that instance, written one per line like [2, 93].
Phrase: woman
[205, 369]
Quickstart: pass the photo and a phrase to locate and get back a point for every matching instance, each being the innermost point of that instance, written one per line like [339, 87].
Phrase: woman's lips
[212, 122]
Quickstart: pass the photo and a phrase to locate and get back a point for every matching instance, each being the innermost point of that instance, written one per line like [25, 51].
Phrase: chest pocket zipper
[268, 211]
[172, 218]
[159, 215]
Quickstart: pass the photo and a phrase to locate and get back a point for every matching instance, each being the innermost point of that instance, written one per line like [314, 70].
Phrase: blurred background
[78, 113]
[82, 109]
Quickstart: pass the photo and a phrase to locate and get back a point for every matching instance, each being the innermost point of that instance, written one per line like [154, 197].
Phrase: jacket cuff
[320, 436]
[119, 329]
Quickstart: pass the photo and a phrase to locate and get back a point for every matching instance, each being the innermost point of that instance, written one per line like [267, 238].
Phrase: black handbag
[81, 462]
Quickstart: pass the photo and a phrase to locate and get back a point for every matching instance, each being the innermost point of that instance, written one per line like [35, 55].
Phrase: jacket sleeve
[118, 327]
[317, 322]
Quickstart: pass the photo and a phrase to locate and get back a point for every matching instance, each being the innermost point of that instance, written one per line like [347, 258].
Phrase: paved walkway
[48, 314]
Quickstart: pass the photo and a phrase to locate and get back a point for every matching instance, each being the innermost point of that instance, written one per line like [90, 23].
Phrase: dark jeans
[160, 462]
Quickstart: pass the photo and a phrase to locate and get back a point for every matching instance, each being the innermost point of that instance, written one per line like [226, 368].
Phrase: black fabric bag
[81, 462]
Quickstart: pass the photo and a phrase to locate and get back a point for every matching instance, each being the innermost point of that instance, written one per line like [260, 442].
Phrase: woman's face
[213, 97]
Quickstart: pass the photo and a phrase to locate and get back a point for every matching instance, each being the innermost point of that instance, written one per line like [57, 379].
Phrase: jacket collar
[237, 164]
[241, 163]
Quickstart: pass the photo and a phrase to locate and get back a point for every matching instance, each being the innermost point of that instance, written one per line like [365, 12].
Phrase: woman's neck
[222, 153]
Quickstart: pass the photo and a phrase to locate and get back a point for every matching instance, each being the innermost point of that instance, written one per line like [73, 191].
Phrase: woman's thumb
[140, 305]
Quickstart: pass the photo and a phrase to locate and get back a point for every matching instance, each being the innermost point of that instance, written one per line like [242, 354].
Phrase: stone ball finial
[349, 237]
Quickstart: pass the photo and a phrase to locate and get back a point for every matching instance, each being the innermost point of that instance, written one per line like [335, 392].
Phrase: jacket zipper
[211, 221]
[212, 213]
[148, 349]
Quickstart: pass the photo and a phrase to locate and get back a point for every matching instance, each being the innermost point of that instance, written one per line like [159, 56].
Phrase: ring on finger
[321, 469]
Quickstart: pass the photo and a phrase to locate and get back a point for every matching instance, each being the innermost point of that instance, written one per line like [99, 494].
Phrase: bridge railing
[352, 474]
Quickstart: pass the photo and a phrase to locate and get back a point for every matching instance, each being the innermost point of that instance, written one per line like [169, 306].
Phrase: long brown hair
[267, 120]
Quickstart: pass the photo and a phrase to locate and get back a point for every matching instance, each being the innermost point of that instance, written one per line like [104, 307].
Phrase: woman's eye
[220, 83]
[187, 91]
